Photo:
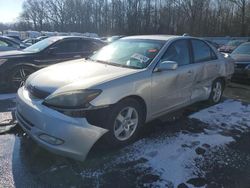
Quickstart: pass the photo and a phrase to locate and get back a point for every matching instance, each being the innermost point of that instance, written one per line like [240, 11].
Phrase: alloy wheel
[126, 123]
[217, 91]
[20, 75]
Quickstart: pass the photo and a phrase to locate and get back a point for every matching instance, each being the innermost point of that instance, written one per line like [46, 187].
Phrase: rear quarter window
[202, 52]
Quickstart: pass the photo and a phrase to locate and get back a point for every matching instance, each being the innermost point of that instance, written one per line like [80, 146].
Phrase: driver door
[171, 88]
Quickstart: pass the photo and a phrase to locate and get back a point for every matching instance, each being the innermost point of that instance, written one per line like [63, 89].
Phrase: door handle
[190, 72]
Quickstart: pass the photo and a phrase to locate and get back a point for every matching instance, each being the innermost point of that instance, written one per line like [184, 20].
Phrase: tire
[124, 122]
[216, 92]
[18, 76]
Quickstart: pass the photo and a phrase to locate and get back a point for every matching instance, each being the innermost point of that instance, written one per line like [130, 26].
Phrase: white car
[67, 107]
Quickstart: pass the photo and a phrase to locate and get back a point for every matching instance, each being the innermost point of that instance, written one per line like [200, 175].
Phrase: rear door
[174, 87]
[206, 68]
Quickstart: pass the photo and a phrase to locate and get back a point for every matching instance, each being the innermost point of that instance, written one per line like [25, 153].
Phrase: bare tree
[196, 17]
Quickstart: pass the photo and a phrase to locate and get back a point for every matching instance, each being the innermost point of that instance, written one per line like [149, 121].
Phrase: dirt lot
[199, 146]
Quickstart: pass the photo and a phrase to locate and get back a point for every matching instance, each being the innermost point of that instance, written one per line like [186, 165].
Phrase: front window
[178, 52]
[242, 49]
[130, 53]
[39, 46]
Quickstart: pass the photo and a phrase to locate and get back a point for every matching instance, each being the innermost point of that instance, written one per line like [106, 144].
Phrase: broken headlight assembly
[72, 103]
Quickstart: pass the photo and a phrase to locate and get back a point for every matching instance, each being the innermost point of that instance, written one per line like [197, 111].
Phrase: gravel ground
[199, 146]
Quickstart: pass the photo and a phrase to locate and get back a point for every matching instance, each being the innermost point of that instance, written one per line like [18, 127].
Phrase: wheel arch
[223, 79]
[23, 64]
[141, 102]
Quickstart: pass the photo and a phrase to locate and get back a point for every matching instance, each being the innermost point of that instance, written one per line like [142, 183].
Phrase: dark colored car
[231, 46]
[15, 37]
[30, 41]
[16, 66]
[41, 38]
[241, 56]
[8, 43]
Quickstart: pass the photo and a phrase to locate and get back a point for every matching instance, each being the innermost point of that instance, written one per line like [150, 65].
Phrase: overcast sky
[10, 10]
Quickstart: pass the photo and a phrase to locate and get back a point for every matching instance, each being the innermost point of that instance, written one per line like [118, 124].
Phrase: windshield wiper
[114, 64]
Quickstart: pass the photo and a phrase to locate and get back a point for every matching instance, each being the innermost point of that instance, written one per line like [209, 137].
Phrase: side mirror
[166, 65]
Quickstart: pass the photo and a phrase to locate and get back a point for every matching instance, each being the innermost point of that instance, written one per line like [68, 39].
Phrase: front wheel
[125, 120]
[216, 91]
[19, 75]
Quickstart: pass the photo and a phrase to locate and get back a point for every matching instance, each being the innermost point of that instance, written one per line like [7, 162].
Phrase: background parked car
[217, 46]
[14, 37]
[30, 41]
[241, 56]
[16, 66]
[8, 43]
[230, 46]
[41, 38]
[114, 38]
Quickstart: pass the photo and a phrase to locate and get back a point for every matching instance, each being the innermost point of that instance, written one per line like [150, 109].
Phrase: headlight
[2, 61]
[248, 67]
[78, 99]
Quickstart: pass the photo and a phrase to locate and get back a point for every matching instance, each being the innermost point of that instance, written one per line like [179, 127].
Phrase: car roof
[5, 37]
[64, 37]
[11, 39]
[155, 37]
[56, 38]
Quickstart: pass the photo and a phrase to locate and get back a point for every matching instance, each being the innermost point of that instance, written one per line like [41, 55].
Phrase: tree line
[128, 17]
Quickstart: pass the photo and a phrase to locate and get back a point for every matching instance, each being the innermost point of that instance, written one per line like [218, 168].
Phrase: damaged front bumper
[54, 131]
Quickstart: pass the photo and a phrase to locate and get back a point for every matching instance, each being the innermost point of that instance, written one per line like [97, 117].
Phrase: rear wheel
[216, 91]
[19, 75]
[125, 120]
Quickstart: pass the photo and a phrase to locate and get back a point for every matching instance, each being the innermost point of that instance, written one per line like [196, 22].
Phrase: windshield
[234, 43]
[242, 49]
[39, 46]
[129, 53]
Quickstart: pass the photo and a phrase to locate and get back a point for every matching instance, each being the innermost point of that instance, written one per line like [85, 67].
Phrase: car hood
[13, 53]
[241, 57]
[74, 75]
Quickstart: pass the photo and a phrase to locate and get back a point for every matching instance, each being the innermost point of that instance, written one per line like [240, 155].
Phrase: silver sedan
[67, 107]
